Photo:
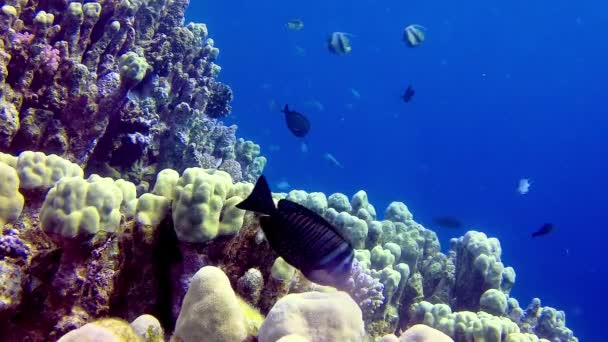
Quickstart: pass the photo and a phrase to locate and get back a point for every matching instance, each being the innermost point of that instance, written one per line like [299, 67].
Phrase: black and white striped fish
[303, 238]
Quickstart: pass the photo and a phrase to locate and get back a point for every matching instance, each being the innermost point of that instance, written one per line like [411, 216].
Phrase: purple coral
[365, 290]
[23, 38]
[50, 58]
[11, 246]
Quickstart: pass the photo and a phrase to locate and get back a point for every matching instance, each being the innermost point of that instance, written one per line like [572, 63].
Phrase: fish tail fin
[285, 109]
[260, 199]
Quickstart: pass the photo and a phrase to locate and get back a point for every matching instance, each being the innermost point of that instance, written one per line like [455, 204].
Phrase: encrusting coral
[90, 248]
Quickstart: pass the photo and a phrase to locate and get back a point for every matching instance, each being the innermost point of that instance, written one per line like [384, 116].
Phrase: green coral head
[132, 67]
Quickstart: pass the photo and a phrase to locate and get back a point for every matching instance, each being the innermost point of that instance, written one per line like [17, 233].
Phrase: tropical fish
[447, 222]
[283, 185]
[408, 94]
[330, 158]
[295, 24]
[339, 43]
[543, 230]
[303, 238]
[413, 35]
[524, 186]
[297, 123]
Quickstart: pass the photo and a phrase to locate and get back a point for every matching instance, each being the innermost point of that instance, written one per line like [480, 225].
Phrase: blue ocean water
[504, 90]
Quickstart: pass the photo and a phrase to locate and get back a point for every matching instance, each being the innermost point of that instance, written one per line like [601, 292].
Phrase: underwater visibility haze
[266, 170]
[504, 91]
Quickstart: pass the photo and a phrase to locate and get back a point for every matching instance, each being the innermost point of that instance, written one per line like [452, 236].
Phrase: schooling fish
[339, 43]
[543, 230]
[295, 24]
[297, 123]
[447, 222]
[304, 239]
[408, 94]
[414, 35]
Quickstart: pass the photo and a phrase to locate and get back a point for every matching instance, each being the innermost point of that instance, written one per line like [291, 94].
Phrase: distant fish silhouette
[339, 43]
[330, 158]
[297, 123]
[447, 222]
[524, 186]
[543, 230]
[408, 94]
[295, 24]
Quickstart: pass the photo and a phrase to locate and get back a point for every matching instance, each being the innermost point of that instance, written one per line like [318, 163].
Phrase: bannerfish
[297, 123]
[295, 24]
[414, 35]
[524, 186]
[543, 230]
[447, 222]
[303, 238]
[338, 43]
[408, 94]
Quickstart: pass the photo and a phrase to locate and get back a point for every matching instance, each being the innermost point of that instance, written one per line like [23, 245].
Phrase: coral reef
[91, 248]
[117, 87]
[123, 92]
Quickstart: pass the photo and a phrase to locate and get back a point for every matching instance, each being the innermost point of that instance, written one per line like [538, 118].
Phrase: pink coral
[23, 38]
[50, 58]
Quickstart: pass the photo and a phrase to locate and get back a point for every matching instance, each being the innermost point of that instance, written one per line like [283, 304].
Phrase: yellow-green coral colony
[400, 255]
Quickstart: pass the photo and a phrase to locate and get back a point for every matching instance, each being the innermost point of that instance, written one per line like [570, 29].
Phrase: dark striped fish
[304, 239]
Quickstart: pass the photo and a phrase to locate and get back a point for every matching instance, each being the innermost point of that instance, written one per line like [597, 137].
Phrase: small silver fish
[295, 24]
[524, 186]
[330, 158]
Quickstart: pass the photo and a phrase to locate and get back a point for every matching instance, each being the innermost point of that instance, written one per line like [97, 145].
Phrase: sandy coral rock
[316, 316]
[250, 285]
[519, 337]
[11, 200]
[423, 333]
[107, 330]
[39, 171]
[148, 328]
[11, 289]
[389, 338]
[210, 310]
